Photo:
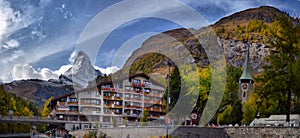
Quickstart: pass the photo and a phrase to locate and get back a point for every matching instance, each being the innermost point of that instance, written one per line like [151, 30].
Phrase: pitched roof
[247, 73]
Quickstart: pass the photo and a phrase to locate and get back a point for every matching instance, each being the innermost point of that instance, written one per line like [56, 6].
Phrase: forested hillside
[20, 107]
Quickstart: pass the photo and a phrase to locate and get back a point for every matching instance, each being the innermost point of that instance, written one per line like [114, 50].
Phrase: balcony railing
[132, 115]
[90, 104]
[138, 85]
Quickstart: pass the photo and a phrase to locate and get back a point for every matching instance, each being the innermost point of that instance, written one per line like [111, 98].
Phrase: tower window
[244, 94]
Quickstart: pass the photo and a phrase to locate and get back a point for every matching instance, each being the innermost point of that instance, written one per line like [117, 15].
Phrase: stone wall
[199, 132]
[263, 132]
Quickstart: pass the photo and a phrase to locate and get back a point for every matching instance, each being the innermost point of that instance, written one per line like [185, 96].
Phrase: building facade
[111, 102]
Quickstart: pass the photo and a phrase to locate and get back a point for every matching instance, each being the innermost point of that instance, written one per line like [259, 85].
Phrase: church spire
[246, 76]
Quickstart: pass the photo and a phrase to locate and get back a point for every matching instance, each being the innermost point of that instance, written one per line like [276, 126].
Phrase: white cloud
[107, 70]
[6, 16]
[26, 71]
[62, 69]
[12, 43]
[73, 57]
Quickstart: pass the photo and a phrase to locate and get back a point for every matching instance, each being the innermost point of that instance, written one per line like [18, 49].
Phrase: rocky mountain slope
[37, 91]
[230, 38]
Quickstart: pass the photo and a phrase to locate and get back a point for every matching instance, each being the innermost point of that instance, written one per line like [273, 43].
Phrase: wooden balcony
[73, 112]
[159, 95]
[62, 103]
[72, 103]
[118, 106]
[133, 107]
[107, 97]
[61, 111]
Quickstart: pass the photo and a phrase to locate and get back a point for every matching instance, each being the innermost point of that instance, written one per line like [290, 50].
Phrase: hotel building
[111, 102]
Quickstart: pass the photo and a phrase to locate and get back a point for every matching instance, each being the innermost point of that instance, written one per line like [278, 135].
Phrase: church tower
[246, 81]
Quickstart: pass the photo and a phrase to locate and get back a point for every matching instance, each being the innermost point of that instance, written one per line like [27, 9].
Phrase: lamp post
[170, 63]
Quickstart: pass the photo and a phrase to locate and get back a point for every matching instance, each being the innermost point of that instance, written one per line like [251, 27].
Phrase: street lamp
[170, 63]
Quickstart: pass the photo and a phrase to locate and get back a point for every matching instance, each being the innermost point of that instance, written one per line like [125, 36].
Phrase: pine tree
[277, 82]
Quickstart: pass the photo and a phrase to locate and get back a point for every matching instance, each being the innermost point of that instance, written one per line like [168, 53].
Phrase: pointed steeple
[246, 76]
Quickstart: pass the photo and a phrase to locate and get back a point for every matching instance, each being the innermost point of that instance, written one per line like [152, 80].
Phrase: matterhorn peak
[82, 71]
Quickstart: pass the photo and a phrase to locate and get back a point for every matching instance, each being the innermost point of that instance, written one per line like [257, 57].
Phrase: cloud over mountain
[26, 71]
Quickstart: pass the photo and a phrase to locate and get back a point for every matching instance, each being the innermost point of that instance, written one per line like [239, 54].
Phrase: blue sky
[38, 37]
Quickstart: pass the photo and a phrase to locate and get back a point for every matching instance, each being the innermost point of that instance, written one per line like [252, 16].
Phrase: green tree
[125, 121]
[46, 110]
[12, 104]
[114, 121]
[27, 112]
[145, 118]
[278, 81]
[230, 111]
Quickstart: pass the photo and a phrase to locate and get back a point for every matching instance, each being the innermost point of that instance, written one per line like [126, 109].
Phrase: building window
[155, 114]
[95, 101]
[127, 111]
[136, 104]
[147, 98]
[147, 105]
[106, 119]
[85, 93]
[96, 109]
[73, 108]
[136, 96]
[117, 111]
[147, 90]
[137, 112]
[117, 95]
[137, 89]
[117, 85]
[136, 81]
[107, 86]
[73, 100]
[155, 92]
[155, 99]
[106, 110]
[127, 88]
[106, 102]
[62, 100]
[85, 101]
[73, 118]
[117, 103]
[127, 96]
[85, 109]
[95, 93]
[146, 82]
[127, 104]
[107, 94]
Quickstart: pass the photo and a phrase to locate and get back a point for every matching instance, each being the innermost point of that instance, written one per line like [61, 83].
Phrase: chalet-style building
[111, 101]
